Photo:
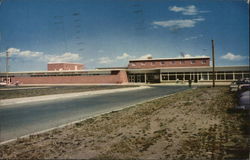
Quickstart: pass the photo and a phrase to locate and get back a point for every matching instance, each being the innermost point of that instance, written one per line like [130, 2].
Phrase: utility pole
[7, 66]
[213, 63]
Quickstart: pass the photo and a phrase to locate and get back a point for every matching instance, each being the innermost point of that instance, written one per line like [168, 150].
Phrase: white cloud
[105, 60]
[232, 57]
[181, 23]
[12, 51]
[145, 56]
[120, 59]
[124, 56]
[188, 10]
[193, 37]
[186, 55]
[178, 24]
[199, 19]
[66, 57]
[100, 51]
[27, 54]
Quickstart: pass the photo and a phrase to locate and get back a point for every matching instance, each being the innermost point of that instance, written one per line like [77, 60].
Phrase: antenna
[182, 54]
[7, 66]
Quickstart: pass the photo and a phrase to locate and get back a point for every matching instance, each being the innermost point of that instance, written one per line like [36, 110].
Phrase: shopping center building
[159, 70]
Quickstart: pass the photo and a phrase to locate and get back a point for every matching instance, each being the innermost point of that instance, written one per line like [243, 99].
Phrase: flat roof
[177, 58]
[167, 69]
[68, 71]
[112, 68]
[63, 63]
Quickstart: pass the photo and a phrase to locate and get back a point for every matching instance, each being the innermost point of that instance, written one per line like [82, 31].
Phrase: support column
[242, 74]
[207, 75]
[225, 76]
[216, 76]
[233, 76]
[175, 75]
[190, 76]
[168, 76]
[145, 77]
[160, 77]
[184, 76]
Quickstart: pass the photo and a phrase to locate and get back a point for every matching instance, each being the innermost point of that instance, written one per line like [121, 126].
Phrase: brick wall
[121, 77]
[168, 63]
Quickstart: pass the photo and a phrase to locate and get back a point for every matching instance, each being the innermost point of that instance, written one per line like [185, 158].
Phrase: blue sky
[103, 33]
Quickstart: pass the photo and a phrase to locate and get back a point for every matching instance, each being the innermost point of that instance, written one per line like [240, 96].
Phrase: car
[239, 84]
[244, 100]
[3, 83]
[244, 85]
[233, 86]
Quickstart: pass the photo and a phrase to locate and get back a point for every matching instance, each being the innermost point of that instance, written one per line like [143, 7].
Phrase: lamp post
[213, 63]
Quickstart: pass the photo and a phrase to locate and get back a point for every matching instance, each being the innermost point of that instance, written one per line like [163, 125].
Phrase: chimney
[150, 57]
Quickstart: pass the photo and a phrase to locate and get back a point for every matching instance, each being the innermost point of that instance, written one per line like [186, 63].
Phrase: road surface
[23, 119]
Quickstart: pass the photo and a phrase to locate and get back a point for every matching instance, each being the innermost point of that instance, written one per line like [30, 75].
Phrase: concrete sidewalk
[7, 102]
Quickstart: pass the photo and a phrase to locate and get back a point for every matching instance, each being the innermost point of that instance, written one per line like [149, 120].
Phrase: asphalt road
[23, 119]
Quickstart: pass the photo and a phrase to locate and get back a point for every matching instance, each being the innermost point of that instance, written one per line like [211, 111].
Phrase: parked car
[244, 100]
[233, 86]
[244, 86]
[3, 83]
[237, 85]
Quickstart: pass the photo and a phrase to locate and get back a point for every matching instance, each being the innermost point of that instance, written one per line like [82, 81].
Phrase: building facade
[170, 70]
[183, 74]
[161, 70]
[65, 66]
[68, 77]
[168, 62]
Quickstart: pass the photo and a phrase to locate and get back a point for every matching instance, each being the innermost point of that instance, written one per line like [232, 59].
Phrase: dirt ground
[194, 124]
[18, 92]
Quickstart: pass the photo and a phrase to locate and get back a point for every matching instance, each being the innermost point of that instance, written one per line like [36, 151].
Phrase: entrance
[140, 78]
[136, 78]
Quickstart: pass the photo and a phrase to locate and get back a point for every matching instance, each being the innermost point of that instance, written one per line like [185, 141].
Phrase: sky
[108, 33]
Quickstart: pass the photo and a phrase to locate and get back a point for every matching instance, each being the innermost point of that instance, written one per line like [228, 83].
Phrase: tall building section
[168, 62]
[65, 66]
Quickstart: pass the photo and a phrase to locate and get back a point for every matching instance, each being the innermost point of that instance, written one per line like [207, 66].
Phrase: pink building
[65, 66]
[168, 62]
[159, 70]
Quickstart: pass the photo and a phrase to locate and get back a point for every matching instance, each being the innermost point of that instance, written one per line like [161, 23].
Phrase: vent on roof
[150, 57]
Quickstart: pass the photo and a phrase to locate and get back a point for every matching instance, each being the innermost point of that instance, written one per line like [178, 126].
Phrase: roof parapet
[177, 58]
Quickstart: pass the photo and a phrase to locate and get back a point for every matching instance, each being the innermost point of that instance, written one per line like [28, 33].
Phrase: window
[152, 63]
[142, 63]
[162, 62]
[203, 62]
[172, 62]
[182, 62]
[192, 61]
[164, 77]
[133, 64]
